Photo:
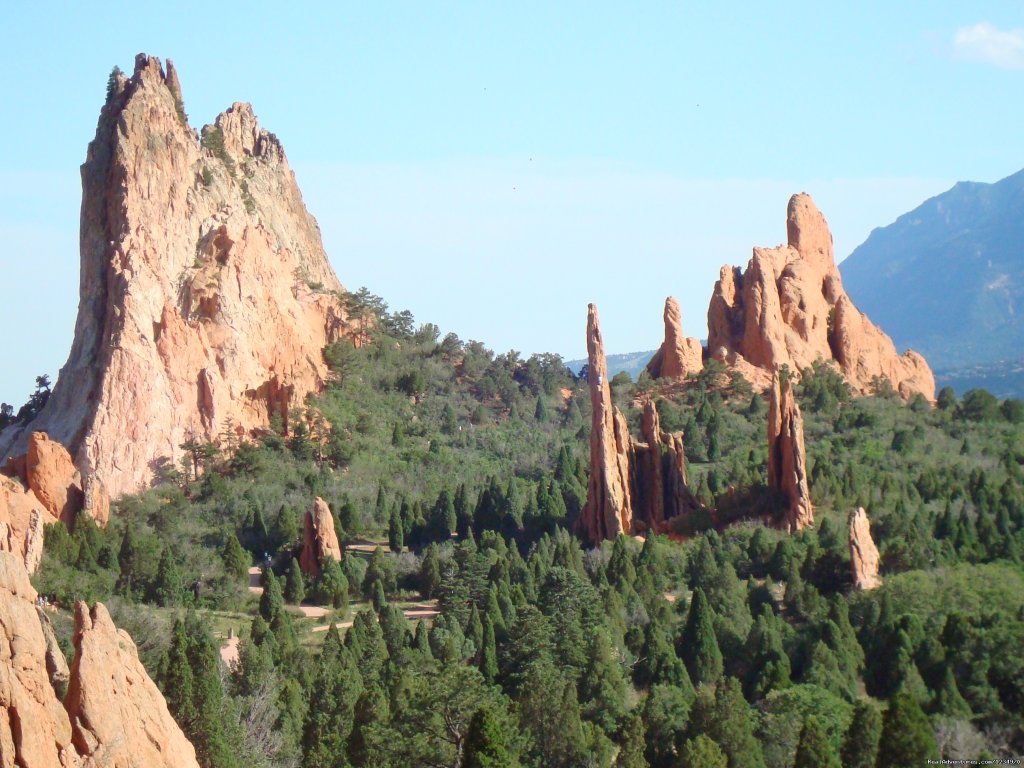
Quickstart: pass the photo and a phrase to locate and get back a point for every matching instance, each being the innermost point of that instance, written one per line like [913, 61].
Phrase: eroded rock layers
[205, 294]
[864, 559]
[320, 540]
[789, 308]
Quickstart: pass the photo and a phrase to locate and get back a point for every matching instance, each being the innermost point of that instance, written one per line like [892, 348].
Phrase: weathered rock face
[118, 716]
[114, 715]
[787, 459]
[679, 355]
[864, 558]
[35, 731]
[789, 308]
[320, 540]
[22, 518]
[609, 508]
[52, 477]
[205, 294]
[660, 487]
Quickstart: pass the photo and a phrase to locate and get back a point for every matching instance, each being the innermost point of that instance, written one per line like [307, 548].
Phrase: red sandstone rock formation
[118, 715]
[679, 355]
[635, 486]
[43, 487]
[22, 517]
[787, 460]
[113, 717]
[319, 538]
[789, 308]
[864, 558]
[609, 508]
[205, 294]
[659, 461]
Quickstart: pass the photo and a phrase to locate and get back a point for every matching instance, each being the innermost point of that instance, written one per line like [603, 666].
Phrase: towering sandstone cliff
[789, 308]
[635, 485]
[113, 715]
[205, 293]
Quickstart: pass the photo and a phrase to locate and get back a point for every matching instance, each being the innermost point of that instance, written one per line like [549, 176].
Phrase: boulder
[864, 559]
[53, 478]
[319, 540]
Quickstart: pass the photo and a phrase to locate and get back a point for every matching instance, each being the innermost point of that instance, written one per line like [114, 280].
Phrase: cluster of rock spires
[42, 487]
[319, 540]
[113, 715]
[635, 486]
[789, 308]
[206, 297]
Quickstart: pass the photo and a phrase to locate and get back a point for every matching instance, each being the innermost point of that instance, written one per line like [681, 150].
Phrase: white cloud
[984, 42]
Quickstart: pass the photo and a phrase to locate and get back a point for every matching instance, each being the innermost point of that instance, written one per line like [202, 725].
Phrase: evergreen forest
[468, 624]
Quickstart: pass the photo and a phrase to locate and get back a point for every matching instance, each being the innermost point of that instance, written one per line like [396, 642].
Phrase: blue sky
[494, 170]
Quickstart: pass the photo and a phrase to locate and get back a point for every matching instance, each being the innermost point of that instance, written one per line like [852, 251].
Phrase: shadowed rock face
[319, 538]
[789, 308]
[113, 716]
[205, 294]
[787, 459]
[864, 557]
[679, 355]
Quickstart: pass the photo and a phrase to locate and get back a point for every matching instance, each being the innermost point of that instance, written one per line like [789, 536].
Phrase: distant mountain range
[631, 362]
[947, 279]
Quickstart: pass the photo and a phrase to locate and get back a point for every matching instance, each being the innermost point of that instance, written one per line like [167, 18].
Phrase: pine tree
[907, 740]
[860, 746]
[702, 752]
[128, 559]
[948, 700]
[166, 589]
[631, 748]
[236, 559]
[487, 745]
[728, 719]
[769, 664]
[271, 601]
[396, 536]
[489, 652]
[814, 750]
[698, 646]
[295, 584]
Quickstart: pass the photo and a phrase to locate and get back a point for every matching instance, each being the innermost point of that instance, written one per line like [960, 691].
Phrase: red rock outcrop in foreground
[787, 459]
[679, 355]
[319, 538]
[634, 486]
[205, 293]
[789, 308]
[864, 558]
[113, 716]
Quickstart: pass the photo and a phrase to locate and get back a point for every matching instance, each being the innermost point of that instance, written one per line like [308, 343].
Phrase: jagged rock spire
[609, 508]
[679, 355]
[787, 459]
